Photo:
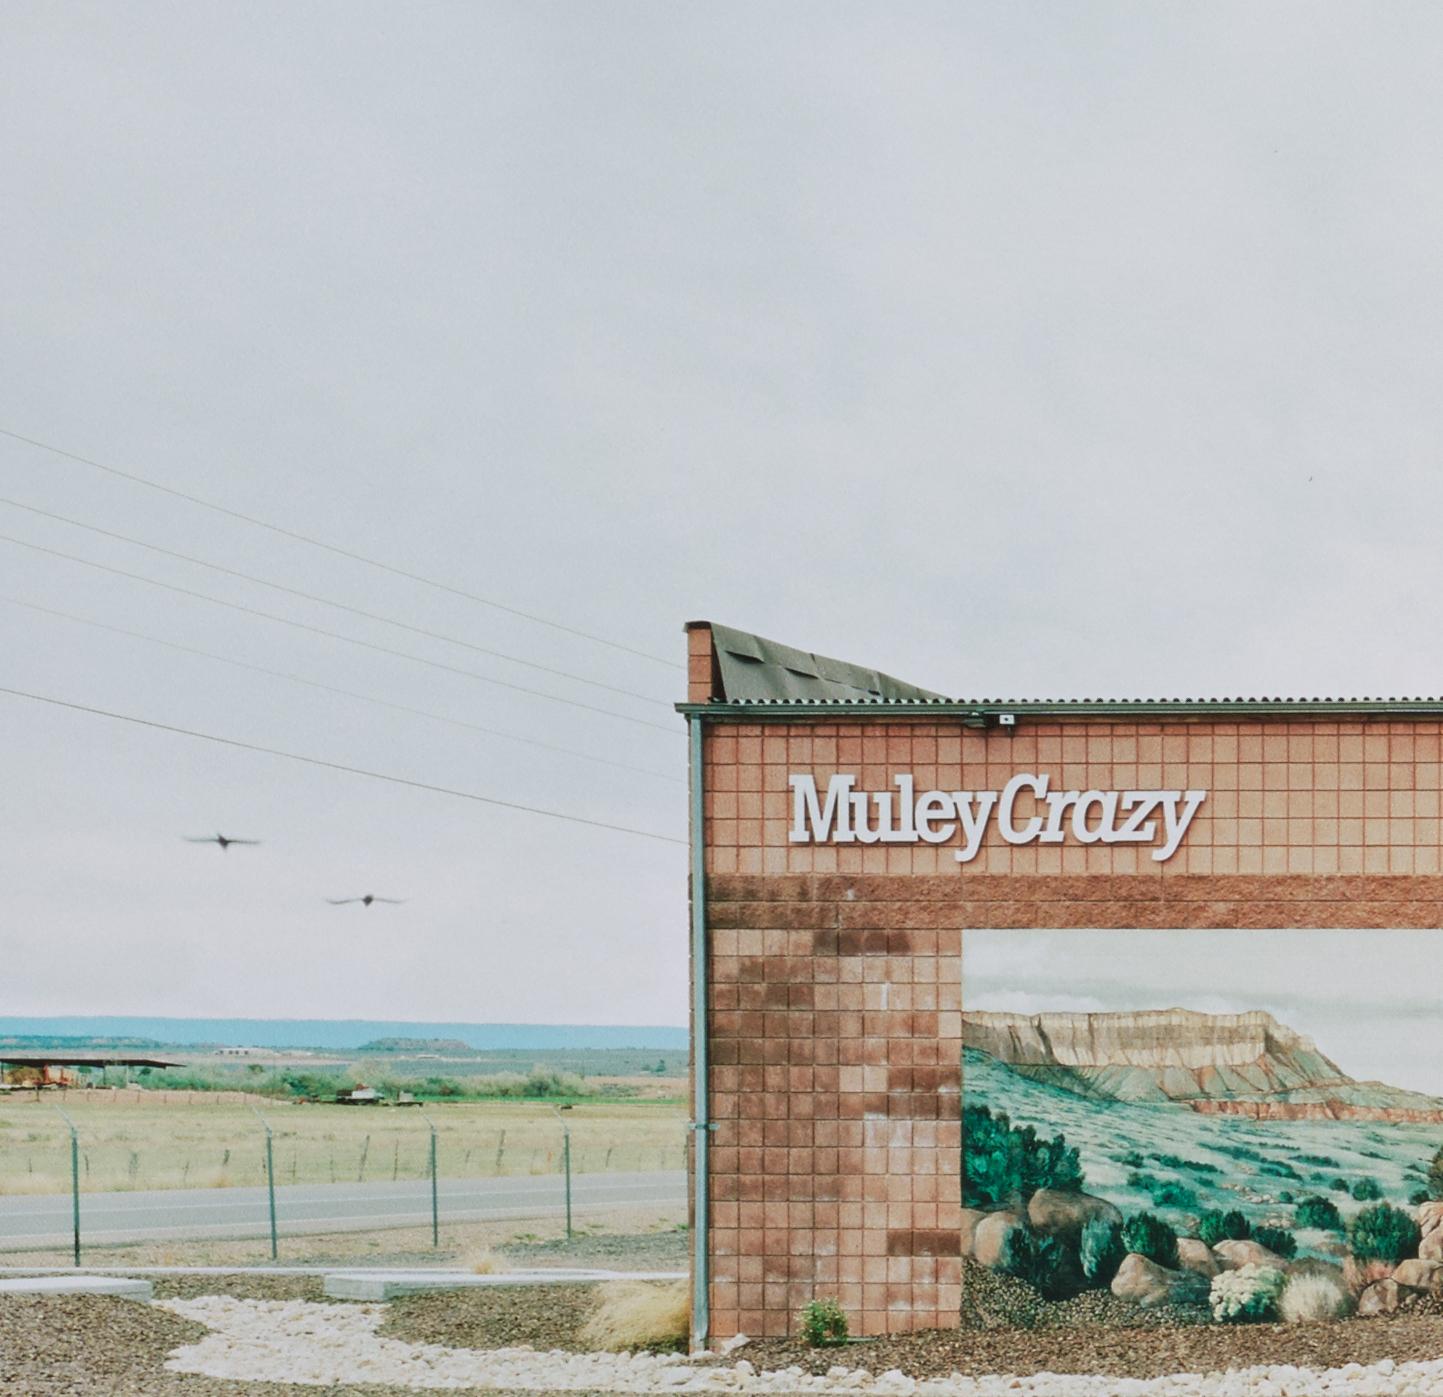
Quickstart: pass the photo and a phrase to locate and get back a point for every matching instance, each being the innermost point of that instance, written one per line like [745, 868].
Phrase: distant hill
[342, 1035]
[1232, 1064]
[79, 1043]
[415, 1045]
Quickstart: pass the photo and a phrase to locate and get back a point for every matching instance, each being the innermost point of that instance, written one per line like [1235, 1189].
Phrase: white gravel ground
[298, 1341]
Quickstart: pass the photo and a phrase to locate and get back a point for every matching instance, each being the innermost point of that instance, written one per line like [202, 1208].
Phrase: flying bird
[365, 901]
[224, 840]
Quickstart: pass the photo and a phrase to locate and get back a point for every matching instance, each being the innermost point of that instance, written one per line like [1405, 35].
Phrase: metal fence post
[565, 1161]
[74, 1180]
[435, 1195]
[270, 1178]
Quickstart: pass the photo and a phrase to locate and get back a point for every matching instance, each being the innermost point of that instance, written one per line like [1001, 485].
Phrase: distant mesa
[416, 1045]
[1218, 1064]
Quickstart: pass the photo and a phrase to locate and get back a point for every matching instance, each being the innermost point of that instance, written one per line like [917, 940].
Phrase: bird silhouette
[224, 840]
[366, 901]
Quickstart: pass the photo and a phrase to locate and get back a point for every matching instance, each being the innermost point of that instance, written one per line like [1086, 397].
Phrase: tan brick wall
[836, 972]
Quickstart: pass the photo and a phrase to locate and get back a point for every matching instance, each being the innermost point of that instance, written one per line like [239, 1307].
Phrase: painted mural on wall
[1209, 1127]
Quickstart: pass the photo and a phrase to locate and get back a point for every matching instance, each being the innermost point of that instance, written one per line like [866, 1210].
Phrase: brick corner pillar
[702, 681]
[836, 1047]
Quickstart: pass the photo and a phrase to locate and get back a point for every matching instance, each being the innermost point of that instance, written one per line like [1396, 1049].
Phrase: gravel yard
[545, 1317]
[242, 1285]
[267, 1335]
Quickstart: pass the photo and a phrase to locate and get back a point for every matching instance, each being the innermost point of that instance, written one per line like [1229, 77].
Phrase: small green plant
[1319, 1212]
[1248, 1295]
[1214, 1227]
[1101, 1250]
[1286, 1196]
[823, 1324]
[1277, 1240]
[1383, 1233]
[1418, 1196]
[1340, 1186]
[1367, 1190]
[1151, 1237]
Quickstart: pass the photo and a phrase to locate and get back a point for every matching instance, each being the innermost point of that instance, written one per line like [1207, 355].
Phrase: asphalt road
[45, 1220]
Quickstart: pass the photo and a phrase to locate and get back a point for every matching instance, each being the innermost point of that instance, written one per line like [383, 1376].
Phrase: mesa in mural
[1126, 1151]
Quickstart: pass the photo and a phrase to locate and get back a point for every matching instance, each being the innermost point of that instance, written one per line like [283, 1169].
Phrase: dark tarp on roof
[757, 670]
[34, 1059]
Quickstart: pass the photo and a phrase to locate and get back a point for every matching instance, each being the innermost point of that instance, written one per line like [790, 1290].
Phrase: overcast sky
[1014, 349]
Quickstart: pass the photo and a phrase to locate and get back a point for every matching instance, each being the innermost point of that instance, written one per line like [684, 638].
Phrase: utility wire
[327, 601]
[336, 549]
[333, 689]
[334, 635]
[338, 766]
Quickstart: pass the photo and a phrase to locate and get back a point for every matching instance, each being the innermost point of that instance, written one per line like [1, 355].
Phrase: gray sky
[1014, 349]
[1367, 998]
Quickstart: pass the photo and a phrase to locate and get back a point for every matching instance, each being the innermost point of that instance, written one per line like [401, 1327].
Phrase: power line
[327, 601]
[336, 549]
[338, 766]
[334, 635]
[345, 693]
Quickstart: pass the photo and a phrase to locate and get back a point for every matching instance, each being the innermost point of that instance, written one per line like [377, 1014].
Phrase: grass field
[144, 1141]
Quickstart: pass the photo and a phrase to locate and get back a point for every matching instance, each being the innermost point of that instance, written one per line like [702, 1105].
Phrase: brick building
[848, 829]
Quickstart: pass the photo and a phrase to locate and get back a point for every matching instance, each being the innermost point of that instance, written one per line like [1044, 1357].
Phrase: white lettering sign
[1026, 811]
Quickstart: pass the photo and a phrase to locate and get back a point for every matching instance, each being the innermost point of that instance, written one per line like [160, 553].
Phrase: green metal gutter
[985, 714]
[701, 1127]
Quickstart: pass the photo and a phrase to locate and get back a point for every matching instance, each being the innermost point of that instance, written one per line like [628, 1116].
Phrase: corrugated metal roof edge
[1033, 708]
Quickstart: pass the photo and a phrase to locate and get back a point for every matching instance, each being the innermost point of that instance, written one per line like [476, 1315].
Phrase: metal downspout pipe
[701, 1108]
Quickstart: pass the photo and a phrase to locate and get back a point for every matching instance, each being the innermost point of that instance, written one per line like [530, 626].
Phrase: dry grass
[1310, 1297]
[641, 1315]
[136, 1140]
[485, 1261]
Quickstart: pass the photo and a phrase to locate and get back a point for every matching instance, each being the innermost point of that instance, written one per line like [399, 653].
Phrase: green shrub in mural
[1101, 1250]
[1319, 1212]
[1248, 1295]
[1151, 1237]
[1215, 1226]
[1002, 1163]
[1383, 1233]
[1277, 1240]
[1041, 1261]
[1367, 1190]
[1435, 1175]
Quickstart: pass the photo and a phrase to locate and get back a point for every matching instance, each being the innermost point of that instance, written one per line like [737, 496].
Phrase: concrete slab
[78, 1285]
[386, 1285]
